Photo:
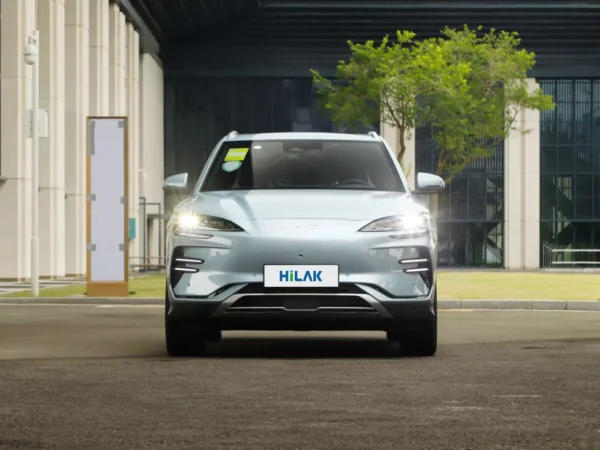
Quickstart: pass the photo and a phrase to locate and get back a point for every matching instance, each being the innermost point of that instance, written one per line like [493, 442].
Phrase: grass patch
[452, 285]
[518, 285]
[151, 286]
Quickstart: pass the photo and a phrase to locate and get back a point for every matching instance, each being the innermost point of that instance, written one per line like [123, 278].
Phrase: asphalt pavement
[98, 377]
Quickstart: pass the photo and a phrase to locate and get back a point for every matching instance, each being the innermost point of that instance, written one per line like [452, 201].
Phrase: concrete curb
[81, 301]
[534, 305]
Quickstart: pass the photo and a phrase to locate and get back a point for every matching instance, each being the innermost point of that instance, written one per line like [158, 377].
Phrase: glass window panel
[570, 163]
[583, 90]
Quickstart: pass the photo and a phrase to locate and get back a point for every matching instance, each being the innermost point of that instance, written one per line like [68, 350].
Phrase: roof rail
[373, 134]
[232, 134]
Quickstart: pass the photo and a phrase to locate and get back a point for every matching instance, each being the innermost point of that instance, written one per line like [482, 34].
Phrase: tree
[468, 85]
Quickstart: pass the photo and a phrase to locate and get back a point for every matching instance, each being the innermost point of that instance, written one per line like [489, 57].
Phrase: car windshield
[303, 164]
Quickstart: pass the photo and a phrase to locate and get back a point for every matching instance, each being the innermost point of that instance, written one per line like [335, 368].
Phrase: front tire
[179, 341]
[419, 339]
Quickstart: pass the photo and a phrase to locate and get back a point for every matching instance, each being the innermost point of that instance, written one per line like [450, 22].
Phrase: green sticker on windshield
[231, 166]
[236, 154]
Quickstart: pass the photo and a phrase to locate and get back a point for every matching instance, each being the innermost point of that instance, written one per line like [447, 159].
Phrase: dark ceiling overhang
[540, 24]
[201, 28]
[171, 21]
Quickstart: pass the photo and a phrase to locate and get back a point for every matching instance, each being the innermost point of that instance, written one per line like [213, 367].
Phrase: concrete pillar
[152, 146]
[117, 50]
[522, 191]
[409, 162]
[392, 135]
[77, 109]
[117, 61]
[51, 24]
[18, 19]
[133, 111]
[99, 58]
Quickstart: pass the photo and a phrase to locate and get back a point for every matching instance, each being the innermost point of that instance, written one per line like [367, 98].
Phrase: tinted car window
[303, 164]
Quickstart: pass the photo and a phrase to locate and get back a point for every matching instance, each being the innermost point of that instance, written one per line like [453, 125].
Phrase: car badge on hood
[299, 226]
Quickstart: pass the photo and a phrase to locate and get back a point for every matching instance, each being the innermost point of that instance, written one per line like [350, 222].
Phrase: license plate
[301, 276]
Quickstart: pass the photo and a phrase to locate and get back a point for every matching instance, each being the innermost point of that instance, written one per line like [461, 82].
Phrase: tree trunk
[402, 150]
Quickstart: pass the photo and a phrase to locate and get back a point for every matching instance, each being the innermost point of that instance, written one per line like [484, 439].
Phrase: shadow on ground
[283, 348]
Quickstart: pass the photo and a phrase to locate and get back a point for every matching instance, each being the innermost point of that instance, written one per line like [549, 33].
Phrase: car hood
[301, 204]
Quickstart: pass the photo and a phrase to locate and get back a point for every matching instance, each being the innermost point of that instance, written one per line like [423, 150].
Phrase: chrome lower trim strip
[378, 307]
[283, 308]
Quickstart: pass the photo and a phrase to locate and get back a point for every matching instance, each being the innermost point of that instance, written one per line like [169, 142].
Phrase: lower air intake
[291, 303]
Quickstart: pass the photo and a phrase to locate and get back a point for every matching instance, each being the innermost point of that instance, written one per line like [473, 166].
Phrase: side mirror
[428, 183]
[176, 184]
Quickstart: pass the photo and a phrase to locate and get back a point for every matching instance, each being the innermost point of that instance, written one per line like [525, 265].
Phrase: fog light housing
[181, 265]
[419, 264]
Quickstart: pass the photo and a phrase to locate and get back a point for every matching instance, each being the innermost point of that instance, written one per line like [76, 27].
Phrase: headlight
[408, 225]
[197, 225]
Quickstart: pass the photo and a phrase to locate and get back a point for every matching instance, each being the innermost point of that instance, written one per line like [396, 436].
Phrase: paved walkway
[445, 304]
[85, 377]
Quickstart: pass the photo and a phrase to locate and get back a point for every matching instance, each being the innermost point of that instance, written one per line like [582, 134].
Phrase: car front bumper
[375, 285]
[247, 309]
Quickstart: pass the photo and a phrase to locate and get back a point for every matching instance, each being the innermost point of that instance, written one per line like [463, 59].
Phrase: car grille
[259, 288]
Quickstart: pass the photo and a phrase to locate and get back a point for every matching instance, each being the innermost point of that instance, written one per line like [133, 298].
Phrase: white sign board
[107, 212]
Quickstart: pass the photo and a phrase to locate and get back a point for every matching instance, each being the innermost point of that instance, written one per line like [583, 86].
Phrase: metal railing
[570, 258]
[147, 264]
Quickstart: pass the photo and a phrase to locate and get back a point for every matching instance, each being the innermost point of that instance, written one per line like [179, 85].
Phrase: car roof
[302, 135]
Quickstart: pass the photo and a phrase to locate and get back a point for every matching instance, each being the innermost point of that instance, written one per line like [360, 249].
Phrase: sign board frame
[107, 189]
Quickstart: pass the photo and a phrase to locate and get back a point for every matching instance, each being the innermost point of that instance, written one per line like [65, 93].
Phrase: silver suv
[301, 231]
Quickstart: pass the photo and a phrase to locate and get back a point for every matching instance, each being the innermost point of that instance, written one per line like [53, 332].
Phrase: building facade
[536, 197]
[91, 64]
[188, 72]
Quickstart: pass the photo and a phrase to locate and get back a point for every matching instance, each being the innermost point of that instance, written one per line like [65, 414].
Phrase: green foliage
[468, 85]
